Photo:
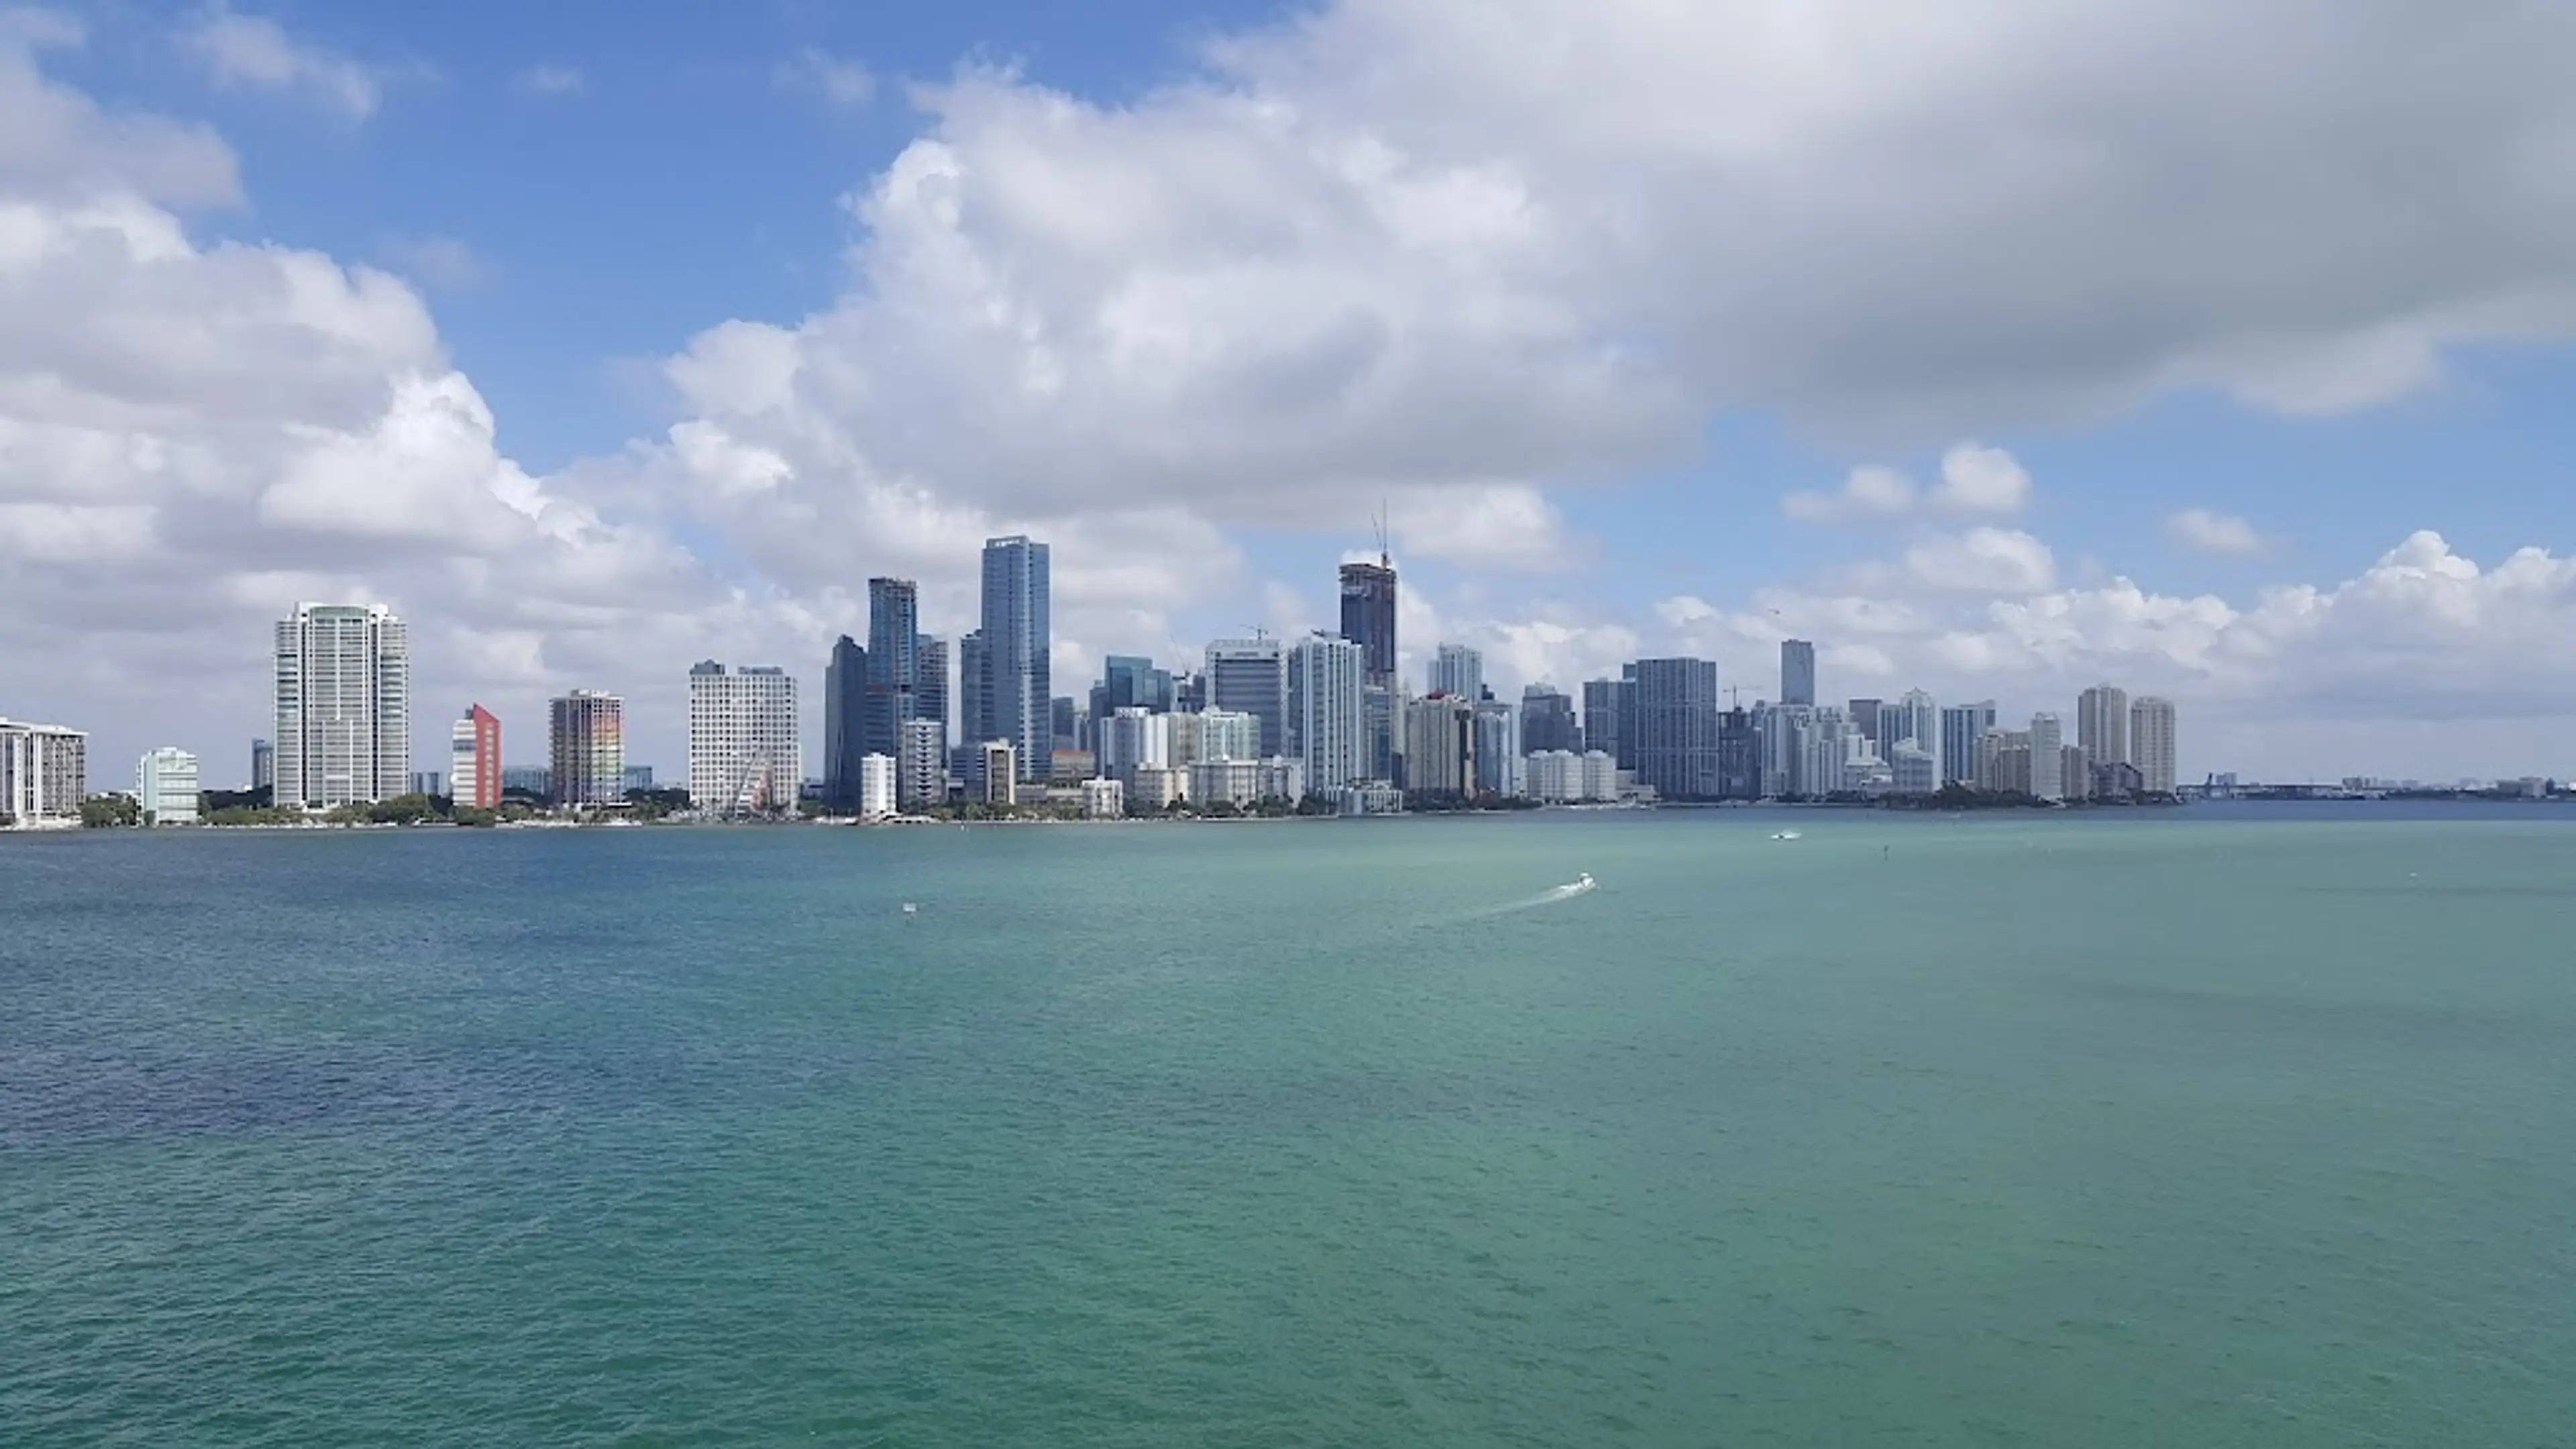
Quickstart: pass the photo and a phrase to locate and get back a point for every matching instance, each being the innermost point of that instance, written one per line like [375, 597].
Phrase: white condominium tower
[2102, 724]
[2151, 743]
[44, 775]
[1328, 719]
[743, 746]
[343, 706]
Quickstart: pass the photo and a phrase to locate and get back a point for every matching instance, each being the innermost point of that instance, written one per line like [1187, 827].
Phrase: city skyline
[2303, 487]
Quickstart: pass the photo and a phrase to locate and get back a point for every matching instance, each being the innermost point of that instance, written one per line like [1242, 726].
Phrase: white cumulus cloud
[256, 53]
[2214, 532]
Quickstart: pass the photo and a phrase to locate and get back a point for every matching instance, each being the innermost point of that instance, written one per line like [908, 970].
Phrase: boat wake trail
[1580, 885]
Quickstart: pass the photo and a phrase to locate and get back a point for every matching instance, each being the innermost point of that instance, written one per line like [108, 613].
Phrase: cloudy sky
[2222, 350]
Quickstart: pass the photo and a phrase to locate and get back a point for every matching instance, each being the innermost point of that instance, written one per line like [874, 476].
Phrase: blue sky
[693, 317]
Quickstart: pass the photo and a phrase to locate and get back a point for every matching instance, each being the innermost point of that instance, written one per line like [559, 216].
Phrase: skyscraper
[586, 748]
[1547, 720]
[973, 698]
[2102, 724]
[1368, 620]
[1963, 727]
[845, 693]
[1914, 716]
[1459, 671]
[1327, 695]
[1863, 714]
[744, 752]
[1019, 638]
[932, 698]
[343, 692]
[474, 760]
[1440, 748]
[1251, 675]
[2151, 743]
[1739, 756]
[1601, 715]
[1797, 672]
[2047, 751]
[1677, 727]
[892, 663]
[263, 765]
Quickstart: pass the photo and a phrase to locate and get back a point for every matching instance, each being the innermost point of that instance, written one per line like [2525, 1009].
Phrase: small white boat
[1786, 835]
[910, 909]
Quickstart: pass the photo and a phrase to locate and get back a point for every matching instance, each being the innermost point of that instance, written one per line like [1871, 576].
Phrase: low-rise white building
[1104, 799]
[44, 775]
[1371, 799]
[165, 785]
[1153, 788]
[876, 786]
[1555, 776]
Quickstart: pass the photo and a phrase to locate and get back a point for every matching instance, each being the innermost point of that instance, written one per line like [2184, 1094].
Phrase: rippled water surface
[2199, 1129]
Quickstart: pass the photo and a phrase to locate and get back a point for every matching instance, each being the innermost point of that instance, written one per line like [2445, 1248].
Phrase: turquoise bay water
[2211, 1128]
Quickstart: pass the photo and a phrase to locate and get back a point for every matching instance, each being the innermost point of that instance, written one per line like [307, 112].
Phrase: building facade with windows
[744, 752]
[44, 775]
[342, 691]
[586, 748]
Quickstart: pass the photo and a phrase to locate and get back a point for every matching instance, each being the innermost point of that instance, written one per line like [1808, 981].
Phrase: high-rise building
[44, 775]
[1251, 676]
[428, 782]
[535, 782]
[1328, 711]
[474, 759]
[744, 751]
[2074, 773]
[343, 693]
[1797, 672]
[1739, 756]
[1130, 681]
[921, 769]
[1132, 738]
[1547, 720]
[1383, 709]
[263, 765]
[586, 746]
[1019, 637]
[1601, 724]
[165, 785]
[2047, 749]
[2151, 743]
[2102, 724]
[1501, 771]
[974, 696]
[845, 712]
[1459, 672]
[890, 665]
[932, 698]
[1676, 727]
[1368, 618]
[2004, 762]
[1064, 718]
[1863, 714]
[1914, 716]
[1440, 748]
[1962, 727]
